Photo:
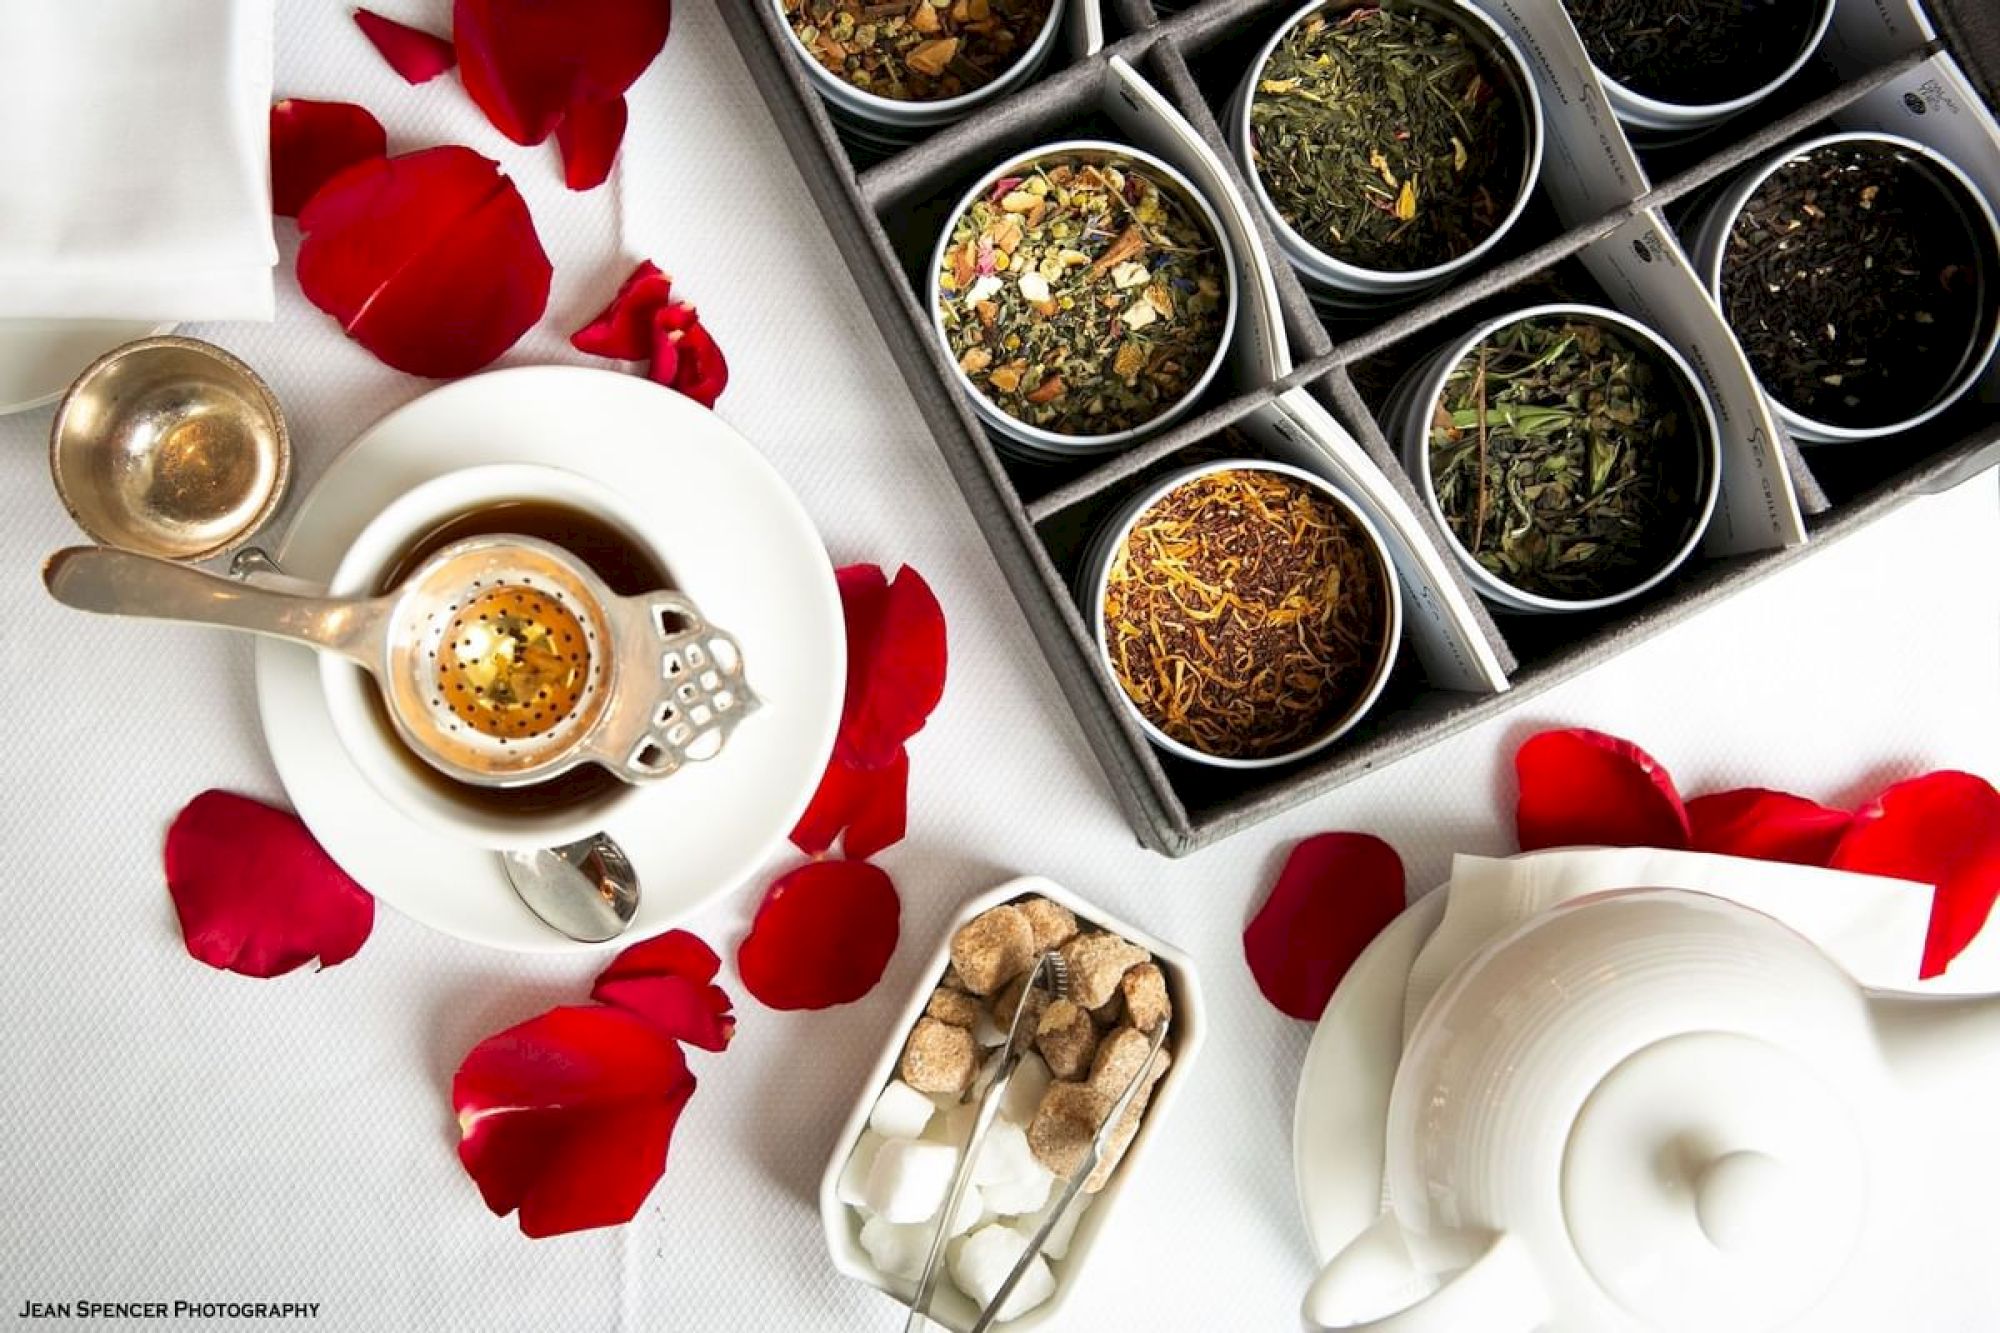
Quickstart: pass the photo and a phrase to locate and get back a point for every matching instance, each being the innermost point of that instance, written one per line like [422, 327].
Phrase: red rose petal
[429, 260]
[1766, 825]
[312, 142]
[567, 1117]
[527, 63]
[588, 138]
[255, 894]
[417, 55]
[623, 330]
[822, 936]
[1943, 829]
[1582, 788]
[869, 805]
[1335, 894]
[685, 355]
[896, 662]
[675, 953]
[665, 980]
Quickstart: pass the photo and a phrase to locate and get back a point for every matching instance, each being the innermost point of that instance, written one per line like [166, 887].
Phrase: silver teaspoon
[586, 889]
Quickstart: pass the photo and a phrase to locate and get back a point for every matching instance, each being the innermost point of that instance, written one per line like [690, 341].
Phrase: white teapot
[1654, 1109]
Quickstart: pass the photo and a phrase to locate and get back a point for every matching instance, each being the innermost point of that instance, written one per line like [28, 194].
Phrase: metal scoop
[504, 660]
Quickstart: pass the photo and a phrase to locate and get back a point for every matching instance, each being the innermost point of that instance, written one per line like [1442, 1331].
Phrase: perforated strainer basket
[504, 660]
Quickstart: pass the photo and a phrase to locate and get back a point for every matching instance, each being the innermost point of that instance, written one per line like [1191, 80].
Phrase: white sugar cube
[971, 1212]
[909, 1179]
[1007, 1171]
[901, 1112]
[1024, 1091]
[898, 1249]
[1057, 1246]
[853, 1186]
[983, 1261]
[953, 1125]
[1023, 1195]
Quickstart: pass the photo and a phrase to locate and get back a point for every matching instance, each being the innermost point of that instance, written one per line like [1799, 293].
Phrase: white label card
[1083, 28]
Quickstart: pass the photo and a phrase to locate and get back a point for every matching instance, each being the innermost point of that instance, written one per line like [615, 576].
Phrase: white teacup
[404, 779]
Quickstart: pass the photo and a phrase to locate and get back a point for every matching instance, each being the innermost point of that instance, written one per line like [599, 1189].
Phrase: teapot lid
[1713, 1181]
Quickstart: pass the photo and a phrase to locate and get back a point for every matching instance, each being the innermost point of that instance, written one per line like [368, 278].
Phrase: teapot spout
[1391, 1280]
[1943, 1050]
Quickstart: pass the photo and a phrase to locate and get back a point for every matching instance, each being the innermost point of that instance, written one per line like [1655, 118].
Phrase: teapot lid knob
[1749, 1202]
[1713, 1181]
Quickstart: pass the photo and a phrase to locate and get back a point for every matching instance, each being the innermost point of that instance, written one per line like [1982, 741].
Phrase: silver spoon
[586, 889]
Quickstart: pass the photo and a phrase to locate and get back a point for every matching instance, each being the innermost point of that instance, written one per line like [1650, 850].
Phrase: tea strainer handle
[693, 702]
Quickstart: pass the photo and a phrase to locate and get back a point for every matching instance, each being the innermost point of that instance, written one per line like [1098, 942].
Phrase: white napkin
[134, 160]
[1872, 926]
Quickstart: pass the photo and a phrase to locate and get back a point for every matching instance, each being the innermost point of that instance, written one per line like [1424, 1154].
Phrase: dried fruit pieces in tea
[917, 50]
[1386, 138]
[1853, 282]
[1693, 52]
[1082, 298]
[1245, 613]
[1561, 455]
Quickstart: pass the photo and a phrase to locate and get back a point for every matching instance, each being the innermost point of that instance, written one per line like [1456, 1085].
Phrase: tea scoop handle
[1387, 1281]
[124, 583]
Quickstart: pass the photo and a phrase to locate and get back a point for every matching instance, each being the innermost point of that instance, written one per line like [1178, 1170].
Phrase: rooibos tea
[1565, 459]
[1247, 614]
[1388, 137]
[1695, 52]
[1083, 296]
[917, 50]
[1857, 284]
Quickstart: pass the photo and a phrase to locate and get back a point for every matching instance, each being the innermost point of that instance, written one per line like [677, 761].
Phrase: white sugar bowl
[1656, 1110]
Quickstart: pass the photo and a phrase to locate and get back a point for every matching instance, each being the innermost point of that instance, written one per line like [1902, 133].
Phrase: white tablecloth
[167, 1131]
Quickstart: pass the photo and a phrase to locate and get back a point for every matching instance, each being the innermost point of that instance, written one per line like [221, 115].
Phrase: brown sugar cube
[1053, 924]
[1064, 1125]
[1119, 1057]
[1109, 1014]
[1114, 1153]
[951, 980]
[1009, 999]
[954, 1007]
[939, 1058]
[1144, 989]
[992, 949]
[1066, 1038]
[1097, 962]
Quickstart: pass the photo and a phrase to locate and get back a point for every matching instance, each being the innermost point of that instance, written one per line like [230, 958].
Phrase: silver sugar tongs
[1100, 1144]
[1052, 967]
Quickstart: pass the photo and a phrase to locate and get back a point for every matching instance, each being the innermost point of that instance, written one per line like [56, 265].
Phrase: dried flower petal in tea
[1693, 52]
[1082, 297]
[1386, 138]
[1563, 460]
[918, 50]
[1245, 613]
[1853, 282]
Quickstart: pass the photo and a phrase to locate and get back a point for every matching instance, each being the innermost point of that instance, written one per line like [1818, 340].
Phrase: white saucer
[737, 540]
[1341, 1122]
[39, 357]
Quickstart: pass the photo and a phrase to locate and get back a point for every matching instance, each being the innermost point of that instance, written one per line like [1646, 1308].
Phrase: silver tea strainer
[504, 660]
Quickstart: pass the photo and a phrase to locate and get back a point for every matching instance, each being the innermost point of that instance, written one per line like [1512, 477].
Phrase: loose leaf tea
[1852, 279]
[1562, 459]
[1082, 298]
[918, 50]
[1386, 138]
[1693, 52]
[1245, 613]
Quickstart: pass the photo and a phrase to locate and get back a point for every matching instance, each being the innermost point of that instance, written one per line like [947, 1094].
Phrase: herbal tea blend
[1852, 278]
[1560, 454]
[1245, 613]
[1693, 52]
[1081, 297]
[917, 50]
[1386, 138]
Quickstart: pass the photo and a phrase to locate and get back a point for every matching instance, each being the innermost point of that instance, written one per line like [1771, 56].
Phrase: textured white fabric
[169, 1131]
[132, 164]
